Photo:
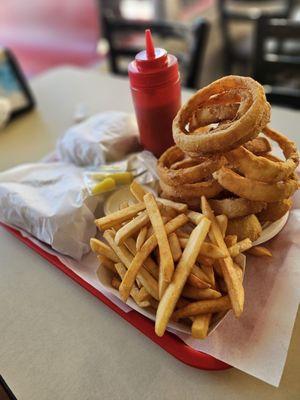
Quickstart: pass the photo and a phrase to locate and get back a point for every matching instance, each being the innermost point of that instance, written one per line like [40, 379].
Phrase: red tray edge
[169, 342]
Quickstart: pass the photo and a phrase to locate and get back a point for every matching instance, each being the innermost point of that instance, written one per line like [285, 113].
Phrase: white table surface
[60, 342]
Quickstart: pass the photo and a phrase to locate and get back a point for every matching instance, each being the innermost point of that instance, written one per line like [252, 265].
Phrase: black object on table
[276, 60]
[5, 392]
[117, 30]
[13, 84]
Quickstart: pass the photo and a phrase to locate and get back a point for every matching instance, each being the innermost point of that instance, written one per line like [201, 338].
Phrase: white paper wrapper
[51, 201]
[102, 138]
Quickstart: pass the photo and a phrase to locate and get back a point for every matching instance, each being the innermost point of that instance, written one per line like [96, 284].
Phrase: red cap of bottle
[153, 66]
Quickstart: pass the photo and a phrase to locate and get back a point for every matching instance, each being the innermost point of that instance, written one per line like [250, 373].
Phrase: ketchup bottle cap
[153, 66]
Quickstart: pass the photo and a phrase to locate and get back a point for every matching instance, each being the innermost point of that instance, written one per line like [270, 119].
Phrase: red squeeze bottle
[155, 87]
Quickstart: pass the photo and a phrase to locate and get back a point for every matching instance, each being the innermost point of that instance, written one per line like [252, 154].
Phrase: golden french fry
[259, 251]
[239, 271]
[200, 326]
[149, 264]
[175, 246]
[150, 232]
[218, 270]
[135, 292]
[101, 248]
[166, 264]
[131, 227]
[194, 281]
[154, 303]
[179, 207]
[234, 284]
[239, 247]
[230, 240]
[194, 217]
[126, 258]
[118, 217]
[222, 222]
[150, 228]
[144, 295]
[203, 307]
[209, 272]
[182, 234]
[115, 282]
[141, 237]
[137, 190]
[205, 260]
[200, 274]
[182, 302]
[167, 212]
[145, 251]
[200, 294]
[138, 283]
[106, 263]
[222, 286]
[168, 301]
[207, 249]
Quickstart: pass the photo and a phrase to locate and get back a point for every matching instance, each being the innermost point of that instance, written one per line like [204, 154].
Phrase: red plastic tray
[169, 342]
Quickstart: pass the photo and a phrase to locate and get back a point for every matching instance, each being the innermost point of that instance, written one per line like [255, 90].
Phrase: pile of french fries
[177, 262]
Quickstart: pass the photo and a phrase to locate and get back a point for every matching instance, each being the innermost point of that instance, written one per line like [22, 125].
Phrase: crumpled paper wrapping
[51, 201]
[105, 137]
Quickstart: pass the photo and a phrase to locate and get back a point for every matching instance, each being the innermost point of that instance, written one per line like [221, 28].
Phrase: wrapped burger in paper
[49, 201]
[105, 137]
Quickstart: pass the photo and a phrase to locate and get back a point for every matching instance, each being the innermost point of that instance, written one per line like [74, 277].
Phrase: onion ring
[209, 188]
[192, 174]
[274, 211]
[255, 190]
[185, 163]
[251, 116]
[258, 146]
[264, 169]
[245, 227]
[236, 207]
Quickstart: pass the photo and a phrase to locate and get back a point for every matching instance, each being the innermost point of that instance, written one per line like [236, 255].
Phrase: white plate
[272, 230]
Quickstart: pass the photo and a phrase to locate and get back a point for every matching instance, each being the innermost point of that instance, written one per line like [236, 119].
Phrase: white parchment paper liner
[256, 343]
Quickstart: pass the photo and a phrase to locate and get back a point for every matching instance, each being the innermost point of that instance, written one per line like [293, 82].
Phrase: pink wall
[45, 33]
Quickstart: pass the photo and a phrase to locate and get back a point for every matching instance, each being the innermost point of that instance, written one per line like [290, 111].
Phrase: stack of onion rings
[219, 154]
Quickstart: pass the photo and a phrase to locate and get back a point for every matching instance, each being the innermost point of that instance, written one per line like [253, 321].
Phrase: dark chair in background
[276, 60]
[187, 43]
[238, 48]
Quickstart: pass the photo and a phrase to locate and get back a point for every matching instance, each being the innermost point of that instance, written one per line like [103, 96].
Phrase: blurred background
[210, 37]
